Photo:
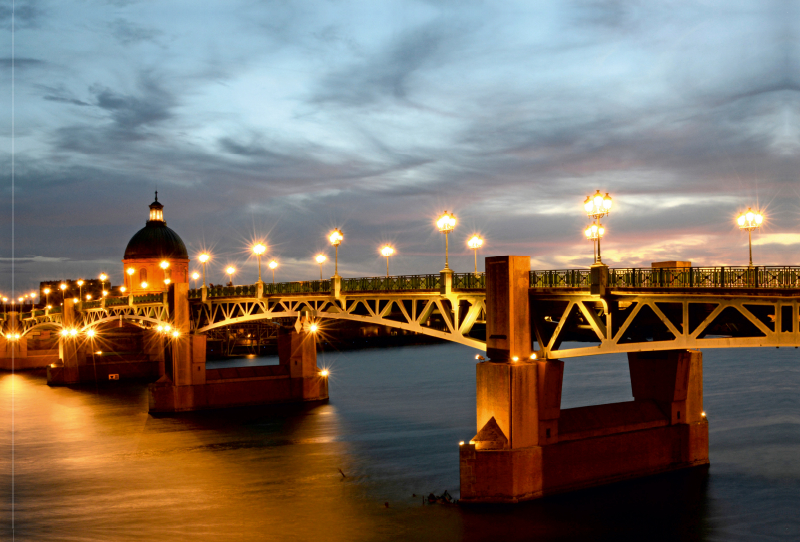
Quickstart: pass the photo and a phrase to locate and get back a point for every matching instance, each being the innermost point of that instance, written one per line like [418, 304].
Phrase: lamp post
[80, 288]
[195, 276]
[597, 206]
[47, 296]
[320, 260]
[387, 251]
[446, 224]
[336, 239]
[203, 259]
[272, 265]
[103, 279]
[750, 221]
[230, 271]
[475, 243]
[63, 288]
[130, 271]
[259, 249]
[594, 233]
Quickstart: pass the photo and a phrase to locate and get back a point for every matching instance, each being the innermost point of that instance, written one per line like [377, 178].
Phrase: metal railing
[116, 301]
[706, 277]
[56, 310]
[560, 278]
[147, 298]
[469, 281]
[232, 291]
[392, 284]
[86, 305]
[302, 287]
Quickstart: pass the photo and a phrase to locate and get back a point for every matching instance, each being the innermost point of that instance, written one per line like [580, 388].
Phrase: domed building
[154, 255]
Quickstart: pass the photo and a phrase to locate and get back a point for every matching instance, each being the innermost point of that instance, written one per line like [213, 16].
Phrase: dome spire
[157, 212]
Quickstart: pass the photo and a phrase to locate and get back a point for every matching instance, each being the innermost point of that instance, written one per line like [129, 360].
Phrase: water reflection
[91, 464]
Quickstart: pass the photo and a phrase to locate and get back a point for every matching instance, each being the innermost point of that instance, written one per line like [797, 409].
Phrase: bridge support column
[70, 355]
[13, 351]
[527, 447]
[192, 387]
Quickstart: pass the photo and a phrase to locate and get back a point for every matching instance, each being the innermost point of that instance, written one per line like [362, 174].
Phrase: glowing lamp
[130, 271]
[259, 249]
[273, 264]
[446, 223]
[336, 237]
[204, 257]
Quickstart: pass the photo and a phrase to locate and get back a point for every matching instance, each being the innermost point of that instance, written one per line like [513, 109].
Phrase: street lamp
[272, 265]
[203, 259]
[230, 271]
[103, 279]
[80, 288]
[597, 206]
[594, 233]
[63, 288]
[446, 224]
[750, 221]
[130, 272]
[195, 276]
[144, 285]
[387, 251]
[320, 260]
[475, 242]
[259, 249]
[336, 239]
[46, 296]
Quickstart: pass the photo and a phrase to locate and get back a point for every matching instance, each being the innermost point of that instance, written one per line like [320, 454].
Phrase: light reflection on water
[93, 465]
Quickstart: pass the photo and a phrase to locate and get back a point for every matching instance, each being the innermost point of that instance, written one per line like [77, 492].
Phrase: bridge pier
[191, 387]
[527, 447]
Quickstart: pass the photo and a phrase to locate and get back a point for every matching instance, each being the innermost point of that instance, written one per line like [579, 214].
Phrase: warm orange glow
[598, 205]
[336, 237]
[321, 258]
[103, 277]
[105, 293]
[475, 242]
[324, 372]
[230, 270]
[446, 222]
[166, 281]
[176, 334]
[750, 220]
[195, 275]
[46, 291]
[164, 264]
[90, 333]
[144, 285]
[387, 251]
[259, 249]
[204, 257]
[88, 297]
[312, 328]
[73, 332]
[123, 289]
[80, 283]
[131, 271]
[62, 286]
[273, 264]
[74, 299]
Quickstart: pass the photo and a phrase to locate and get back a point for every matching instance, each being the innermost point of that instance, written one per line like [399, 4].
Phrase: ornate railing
[232, 291]
[392, 284]
[86, 305]
[147, 298]
[469, 281]
[302, 287]
[560, 278]
[116, 301]
[706, 277]
[56, 310]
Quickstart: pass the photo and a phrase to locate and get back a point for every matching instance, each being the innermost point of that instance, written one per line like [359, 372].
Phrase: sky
[277, 121]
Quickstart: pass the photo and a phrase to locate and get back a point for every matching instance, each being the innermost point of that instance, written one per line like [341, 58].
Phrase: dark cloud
[25, 14]
[127, 32]
[21, 63]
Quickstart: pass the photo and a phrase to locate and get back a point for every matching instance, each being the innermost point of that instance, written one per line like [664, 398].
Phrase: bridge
[527, 322]
[639, 309]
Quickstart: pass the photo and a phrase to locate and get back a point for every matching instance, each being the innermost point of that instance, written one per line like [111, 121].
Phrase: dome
[156, 240]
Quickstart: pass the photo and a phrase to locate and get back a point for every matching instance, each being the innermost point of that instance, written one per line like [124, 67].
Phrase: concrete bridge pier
[527, 447]
[66, 370]
[13, 350]
[191, 387]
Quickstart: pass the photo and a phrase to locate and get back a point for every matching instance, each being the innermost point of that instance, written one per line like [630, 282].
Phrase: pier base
[295, 380]
[526, 449]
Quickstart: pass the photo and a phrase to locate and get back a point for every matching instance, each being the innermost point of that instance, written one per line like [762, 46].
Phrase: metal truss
[137, 314]
[43, 321]
[643, 322]
[450, 317]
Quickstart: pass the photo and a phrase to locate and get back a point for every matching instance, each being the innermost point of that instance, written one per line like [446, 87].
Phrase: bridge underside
[651, 321]
[435, 316]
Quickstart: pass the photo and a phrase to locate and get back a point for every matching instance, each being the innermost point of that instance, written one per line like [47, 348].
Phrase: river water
[91, 465]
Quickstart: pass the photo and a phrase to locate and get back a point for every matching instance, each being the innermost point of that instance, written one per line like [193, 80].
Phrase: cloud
[127, 32]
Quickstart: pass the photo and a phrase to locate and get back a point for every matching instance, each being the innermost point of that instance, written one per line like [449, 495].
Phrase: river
[90, 464]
